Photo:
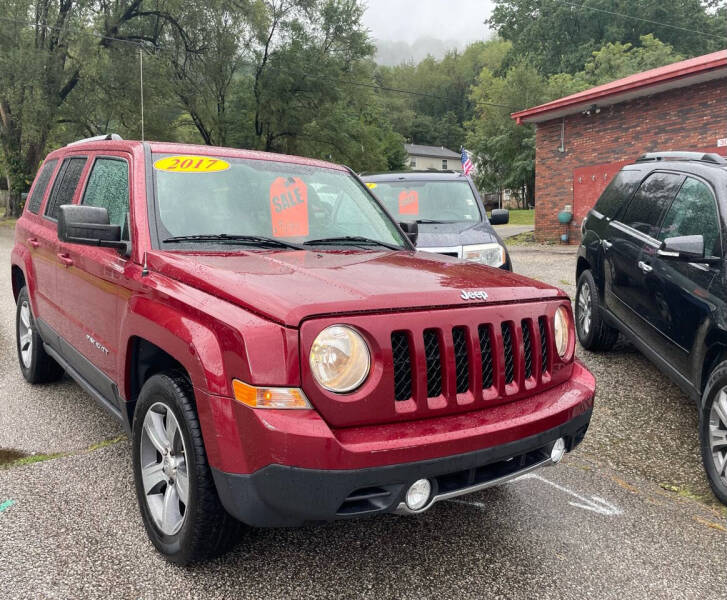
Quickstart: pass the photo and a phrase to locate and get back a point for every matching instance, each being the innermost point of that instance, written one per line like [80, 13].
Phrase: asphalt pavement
[600, 525]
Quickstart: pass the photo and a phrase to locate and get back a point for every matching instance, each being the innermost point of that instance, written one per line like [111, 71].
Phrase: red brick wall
[690, 118]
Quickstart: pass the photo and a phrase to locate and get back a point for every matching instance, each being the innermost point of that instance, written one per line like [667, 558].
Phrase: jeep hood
[288, 286]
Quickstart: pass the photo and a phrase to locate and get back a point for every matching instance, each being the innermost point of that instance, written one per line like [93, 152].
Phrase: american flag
[467, 165]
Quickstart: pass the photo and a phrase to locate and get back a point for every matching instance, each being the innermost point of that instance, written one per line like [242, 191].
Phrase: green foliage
[560, 36]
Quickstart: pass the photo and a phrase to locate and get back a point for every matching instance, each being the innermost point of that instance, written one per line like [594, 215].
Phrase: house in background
[584, 139]
[432, 158]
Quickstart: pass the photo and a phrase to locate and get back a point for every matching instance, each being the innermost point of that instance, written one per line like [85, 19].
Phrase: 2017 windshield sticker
[289, 207]
[371, 185]
[191, 164]
[409, 202]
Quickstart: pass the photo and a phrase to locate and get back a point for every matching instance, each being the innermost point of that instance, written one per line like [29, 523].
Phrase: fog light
[418, 494]
[558, 450]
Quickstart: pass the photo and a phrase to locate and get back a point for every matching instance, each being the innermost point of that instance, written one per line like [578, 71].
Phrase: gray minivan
[449, 212]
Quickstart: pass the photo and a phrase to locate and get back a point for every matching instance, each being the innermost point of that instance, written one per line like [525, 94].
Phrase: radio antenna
[141, 86]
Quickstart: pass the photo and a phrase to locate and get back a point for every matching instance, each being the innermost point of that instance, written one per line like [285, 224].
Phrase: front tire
[593, 333]
[713, 431]
[177, 497]
[35, 364]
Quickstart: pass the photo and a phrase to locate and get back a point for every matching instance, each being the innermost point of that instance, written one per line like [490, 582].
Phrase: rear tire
[177, 497]
[713, 431]
[35, 364]
[593, 332]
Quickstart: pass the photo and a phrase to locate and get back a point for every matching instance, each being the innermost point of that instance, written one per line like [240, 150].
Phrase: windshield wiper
[432, 221]
[224, 237]
[353, 239]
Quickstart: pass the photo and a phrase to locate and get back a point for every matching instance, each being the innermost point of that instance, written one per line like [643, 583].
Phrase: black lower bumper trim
[282, 496]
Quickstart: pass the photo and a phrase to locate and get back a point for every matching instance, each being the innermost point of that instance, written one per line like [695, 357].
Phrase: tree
[560, 36]
[504, 151]
[47, 46]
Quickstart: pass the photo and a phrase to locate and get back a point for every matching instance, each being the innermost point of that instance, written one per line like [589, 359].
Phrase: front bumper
[283, 496]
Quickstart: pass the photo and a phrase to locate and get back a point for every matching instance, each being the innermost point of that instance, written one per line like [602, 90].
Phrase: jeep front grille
[449, 361]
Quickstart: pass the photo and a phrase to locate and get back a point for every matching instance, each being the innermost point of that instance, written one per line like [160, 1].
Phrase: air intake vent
[527, 349]
[486, 356]
[434, 363]
[461, 359]
[402, 365]
[543, 344]
[507, 349]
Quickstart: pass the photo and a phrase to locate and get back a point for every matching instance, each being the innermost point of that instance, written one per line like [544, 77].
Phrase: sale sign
[409, 202]
[289, 207]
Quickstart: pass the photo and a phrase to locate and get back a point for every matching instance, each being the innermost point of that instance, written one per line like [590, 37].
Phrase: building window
[444, 164]
[413, 162]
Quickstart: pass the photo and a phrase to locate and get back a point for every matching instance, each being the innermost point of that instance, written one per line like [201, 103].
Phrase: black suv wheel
[713, 431]
[593, 332]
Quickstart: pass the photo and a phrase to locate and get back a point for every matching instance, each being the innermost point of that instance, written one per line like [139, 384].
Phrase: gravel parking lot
[601, 524]
[643, 424]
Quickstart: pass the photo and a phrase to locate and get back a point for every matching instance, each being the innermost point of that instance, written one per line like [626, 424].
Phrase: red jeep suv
[276, 357]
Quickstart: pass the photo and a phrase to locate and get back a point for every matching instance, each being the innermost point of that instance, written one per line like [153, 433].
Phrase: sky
[408, 20]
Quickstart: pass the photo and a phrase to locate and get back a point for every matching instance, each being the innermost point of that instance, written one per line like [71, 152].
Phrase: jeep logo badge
[475, 295]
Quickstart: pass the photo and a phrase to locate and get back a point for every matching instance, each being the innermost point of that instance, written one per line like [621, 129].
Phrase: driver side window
[108, 187]
[694, 212]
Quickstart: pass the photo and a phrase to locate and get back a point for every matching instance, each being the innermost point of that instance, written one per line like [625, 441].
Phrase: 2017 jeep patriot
[651, 266]
[273, 363]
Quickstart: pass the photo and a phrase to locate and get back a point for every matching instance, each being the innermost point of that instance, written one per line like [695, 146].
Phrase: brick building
[582, 140]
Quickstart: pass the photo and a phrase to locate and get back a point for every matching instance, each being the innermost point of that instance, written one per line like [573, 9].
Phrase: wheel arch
[17, 279]
[716, 353]
[581, 266]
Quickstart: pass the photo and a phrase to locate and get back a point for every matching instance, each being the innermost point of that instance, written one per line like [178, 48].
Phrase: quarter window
[694, 212]
[618, 192]
[108, 187]
[41, 184]
[650, 201]
[65, 185]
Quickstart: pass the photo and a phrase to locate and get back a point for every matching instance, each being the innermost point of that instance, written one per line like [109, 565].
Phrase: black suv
[651, 266]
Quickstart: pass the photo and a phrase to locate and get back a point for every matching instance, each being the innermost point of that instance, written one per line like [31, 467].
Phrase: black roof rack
[708, 157]
[98, 138]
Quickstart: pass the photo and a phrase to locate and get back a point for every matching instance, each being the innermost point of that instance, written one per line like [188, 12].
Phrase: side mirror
[499, 216]
[411, 229]
[689, 248]
[88, 225]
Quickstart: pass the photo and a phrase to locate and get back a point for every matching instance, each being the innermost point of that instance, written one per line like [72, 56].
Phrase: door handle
[606, 244]
[33, 242]
[65, 259]
[644, 267]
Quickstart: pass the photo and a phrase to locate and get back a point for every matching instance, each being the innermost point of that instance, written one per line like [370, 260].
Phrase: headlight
[339, 359]
[487, 254]
[561, 329]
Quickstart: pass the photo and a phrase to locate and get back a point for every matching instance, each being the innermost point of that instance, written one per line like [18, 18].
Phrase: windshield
[428, 200]
[215, 200]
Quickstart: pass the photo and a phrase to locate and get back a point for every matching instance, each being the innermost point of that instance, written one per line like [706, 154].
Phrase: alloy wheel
[584, 308]
[718, 433]
[25, 334]
[164, 469]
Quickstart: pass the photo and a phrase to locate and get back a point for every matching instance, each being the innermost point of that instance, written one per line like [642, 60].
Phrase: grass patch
[10, 458]
[521, 239]
[522, 217]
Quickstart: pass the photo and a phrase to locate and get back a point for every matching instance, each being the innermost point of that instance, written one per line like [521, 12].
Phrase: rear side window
[618, 192]
[41, 184]
[694, 212]
[650, 201]
[108, 187]
[65, 185]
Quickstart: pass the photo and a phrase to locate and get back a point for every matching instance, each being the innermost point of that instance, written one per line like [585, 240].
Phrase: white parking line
[594, 504]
